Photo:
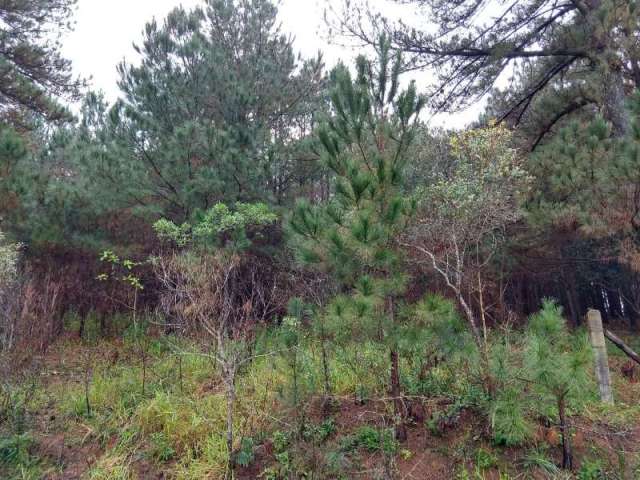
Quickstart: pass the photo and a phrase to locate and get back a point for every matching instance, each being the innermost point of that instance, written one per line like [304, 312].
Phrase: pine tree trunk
[327, 402]
[567, 457]
[615, 108]
[396, 395]
[325, 371]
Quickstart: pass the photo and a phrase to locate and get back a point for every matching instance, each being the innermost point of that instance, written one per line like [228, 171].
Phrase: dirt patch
[71, 458]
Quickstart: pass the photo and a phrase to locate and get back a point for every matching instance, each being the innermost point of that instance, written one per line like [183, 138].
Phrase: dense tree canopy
[34, 76]
[219, 110]
[213, 112]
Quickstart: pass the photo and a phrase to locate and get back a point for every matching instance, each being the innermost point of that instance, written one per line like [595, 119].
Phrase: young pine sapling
[355, 236]
[557, 363]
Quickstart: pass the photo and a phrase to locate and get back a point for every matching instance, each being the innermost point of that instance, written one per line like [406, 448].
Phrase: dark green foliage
[365, 146]
[355, 237]
[542, 374]
[509, 410]
[221, 129]
[587, 183]
[33, 74]
[556, 362]
[15, 450]
[438, 327]
[245, 455]
[219, 111]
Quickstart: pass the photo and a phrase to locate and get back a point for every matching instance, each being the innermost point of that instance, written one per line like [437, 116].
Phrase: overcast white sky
[105, 31]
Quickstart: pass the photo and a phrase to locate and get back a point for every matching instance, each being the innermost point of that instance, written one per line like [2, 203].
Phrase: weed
[485, 459]
[280, 441]
[371, 439]
[15, 453]
[539, 459]
[319, 433]
[161, 447]
[591, 470]
[245, 454]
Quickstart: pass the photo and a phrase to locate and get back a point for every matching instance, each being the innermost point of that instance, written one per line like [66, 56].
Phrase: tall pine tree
[213, 112]
[354, 236]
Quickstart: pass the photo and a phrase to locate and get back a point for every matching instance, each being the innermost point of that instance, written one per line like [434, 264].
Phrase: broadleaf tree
[9, 256]
[461, 219]
[212, 285]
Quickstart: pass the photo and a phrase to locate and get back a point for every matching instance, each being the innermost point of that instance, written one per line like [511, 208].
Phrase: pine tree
[213, 112]
[556, 364]
[587, 178]
[583, 52]
[354, 236]
[33, 73]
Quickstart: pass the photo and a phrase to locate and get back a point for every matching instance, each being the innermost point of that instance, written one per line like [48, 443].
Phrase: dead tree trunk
[622, 346]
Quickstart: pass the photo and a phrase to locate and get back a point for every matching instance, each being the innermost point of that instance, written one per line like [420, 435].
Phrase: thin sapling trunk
[567, 456]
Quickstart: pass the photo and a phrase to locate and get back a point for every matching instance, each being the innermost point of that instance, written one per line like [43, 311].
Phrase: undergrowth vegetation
[285, 429]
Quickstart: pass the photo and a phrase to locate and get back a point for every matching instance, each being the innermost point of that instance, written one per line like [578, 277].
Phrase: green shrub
[16, 460]
[15, 450]
[509, 423]
[245, 455]
[372, 439]
[591, 470]
[280, 441]
[485, 459]
[161, 447]
[319, 433]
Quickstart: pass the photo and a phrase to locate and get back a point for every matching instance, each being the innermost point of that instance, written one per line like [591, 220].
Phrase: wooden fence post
[596, 333]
